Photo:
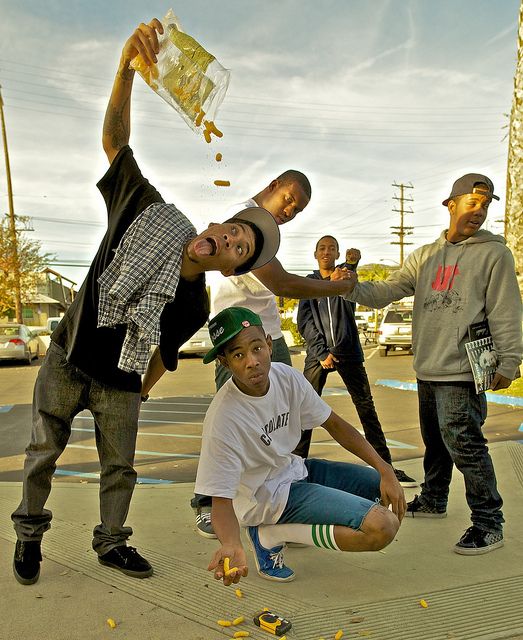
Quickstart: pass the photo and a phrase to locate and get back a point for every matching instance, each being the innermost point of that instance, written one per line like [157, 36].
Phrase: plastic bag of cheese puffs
[186, 76]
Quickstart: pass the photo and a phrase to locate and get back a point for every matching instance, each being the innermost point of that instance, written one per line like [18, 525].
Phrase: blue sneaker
[269, 562]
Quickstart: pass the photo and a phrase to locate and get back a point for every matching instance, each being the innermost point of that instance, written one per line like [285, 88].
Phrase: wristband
[144, 398]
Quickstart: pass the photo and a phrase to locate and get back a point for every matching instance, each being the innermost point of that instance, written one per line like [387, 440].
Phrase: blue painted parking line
[520, 427]
[397, 384]
[85, 474]
[6, 408]
[493, 398]
[160, 454]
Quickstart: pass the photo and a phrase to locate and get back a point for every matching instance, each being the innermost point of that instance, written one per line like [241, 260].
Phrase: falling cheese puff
[207, 136]
[111, 623]
[224, 623]
[239, 593]
[219, 157]
[212, 128]
[199, 119]
[424, 603]
[339, 635]
[241, 634]
[224, 183]
[238, 620]
[265, 609]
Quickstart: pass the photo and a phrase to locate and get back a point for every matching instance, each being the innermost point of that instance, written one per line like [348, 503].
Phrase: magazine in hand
[482, 357]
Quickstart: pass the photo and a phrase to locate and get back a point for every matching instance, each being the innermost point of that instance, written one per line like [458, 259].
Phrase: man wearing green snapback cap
[251, 428]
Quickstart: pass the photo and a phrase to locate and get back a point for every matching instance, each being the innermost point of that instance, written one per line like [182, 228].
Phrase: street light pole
[12, 221]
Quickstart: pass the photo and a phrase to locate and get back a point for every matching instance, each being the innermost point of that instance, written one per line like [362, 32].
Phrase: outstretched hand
[344, 274]
[237, 560]
[144, 41]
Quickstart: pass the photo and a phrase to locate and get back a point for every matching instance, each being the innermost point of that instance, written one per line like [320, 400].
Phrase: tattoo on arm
[114, 126]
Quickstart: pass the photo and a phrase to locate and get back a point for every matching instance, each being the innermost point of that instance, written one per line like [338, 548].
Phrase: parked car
[361, 321]
[200, 343]
[395, 330]
[53, 322]
[18, 342]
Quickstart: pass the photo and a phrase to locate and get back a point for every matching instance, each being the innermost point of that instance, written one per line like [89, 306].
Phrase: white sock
[314, 535]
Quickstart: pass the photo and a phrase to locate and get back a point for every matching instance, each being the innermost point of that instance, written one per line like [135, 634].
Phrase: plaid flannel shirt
[142, 278]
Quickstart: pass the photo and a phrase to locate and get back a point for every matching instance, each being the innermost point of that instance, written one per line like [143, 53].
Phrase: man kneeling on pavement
[251, 428]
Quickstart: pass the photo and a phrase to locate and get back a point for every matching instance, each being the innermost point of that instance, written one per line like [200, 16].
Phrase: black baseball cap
[467, 184]
[266, 235]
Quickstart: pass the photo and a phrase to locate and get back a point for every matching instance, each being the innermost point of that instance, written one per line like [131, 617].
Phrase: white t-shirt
[247, 291]
[247, 444]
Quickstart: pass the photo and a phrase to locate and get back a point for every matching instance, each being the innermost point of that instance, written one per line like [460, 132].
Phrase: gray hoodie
[454, 286]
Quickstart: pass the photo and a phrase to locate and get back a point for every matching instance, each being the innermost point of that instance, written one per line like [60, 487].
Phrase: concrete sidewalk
[375, 595]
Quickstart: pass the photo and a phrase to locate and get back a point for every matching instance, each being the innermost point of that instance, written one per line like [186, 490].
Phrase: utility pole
[514, 204]
[12, 221]
[402, 230]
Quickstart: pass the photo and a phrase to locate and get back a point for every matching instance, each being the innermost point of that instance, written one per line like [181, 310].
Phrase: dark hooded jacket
[328, 326]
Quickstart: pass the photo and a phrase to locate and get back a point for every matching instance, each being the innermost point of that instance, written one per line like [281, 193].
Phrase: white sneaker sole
[409, 485]
[204, 534]
[463, 551]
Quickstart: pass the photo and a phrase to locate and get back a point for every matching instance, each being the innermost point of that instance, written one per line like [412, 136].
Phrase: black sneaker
[476, 541]
[127, 560]
[26, 562]
[405, 480]
[203, 522]
[418, 509]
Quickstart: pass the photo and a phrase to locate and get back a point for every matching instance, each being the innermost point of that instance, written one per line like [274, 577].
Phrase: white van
[52, 323]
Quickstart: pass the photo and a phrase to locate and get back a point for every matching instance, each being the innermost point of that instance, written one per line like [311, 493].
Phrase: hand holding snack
[229, 564]
[179, 70]
[143, 46]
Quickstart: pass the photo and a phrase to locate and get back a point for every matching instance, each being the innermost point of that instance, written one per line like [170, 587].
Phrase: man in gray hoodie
[466, 276]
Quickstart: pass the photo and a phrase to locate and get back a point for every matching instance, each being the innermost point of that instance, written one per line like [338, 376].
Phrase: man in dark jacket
[329, 329]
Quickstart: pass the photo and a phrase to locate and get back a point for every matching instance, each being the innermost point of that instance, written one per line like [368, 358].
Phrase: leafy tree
[31, 262]
[374, 272]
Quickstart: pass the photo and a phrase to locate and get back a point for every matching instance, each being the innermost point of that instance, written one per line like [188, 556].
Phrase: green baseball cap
[227, 324]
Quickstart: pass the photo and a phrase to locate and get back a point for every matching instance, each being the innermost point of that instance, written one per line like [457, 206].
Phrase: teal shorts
[333, 493]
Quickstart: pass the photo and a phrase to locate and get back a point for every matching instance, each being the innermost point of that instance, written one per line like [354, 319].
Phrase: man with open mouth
[145, 287]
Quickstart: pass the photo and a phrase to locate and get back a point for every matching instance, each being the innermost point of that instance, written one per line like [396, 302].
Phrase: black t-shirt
[96, 351]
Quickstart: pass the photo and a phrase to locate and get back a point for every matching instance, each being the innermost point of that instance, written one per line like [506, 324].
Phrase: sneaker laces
[277, 559]
[205, 517]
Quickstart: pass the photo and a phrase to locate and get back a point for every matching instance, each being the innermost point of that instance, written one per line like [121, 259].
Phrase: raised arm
[117, 121]
[282, 283]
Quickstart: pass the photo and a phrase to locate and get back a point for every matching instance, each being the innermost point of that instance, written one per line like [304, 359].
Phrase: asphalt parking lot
[171, 421]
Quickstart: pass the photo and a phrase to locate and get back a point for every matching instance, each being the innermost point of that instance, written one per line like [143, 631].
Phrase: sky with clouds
[356, 94]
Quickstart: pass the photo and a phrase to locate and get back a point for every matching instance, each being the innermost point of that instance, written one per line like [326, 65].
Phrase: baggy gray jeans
[61, 392]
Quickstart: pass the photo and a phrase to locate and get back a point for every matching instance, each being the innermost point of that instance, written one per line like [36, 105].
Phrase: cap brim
[447, 200]
[210, 355]
[270, 231]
